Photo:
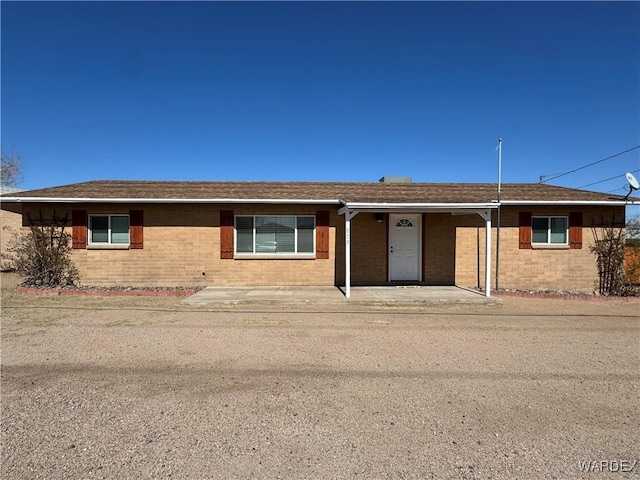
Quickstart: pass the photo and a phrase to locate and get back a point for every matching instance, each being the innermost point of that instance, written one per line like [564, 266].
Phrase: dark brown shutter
[322, 234]
[575, 230]
[226, 234]
[79, 233]
[525, 229]
[136, 225]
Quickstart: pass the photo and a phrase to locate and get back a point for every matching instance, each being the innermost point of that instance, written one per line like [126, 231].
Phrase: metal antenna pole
[499, 204]
[499, 167]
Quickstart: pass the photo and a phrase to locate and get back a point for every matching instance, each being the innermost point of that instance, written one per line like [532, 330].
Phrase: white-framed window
[275, 234]
[550, 230]
[108, 229]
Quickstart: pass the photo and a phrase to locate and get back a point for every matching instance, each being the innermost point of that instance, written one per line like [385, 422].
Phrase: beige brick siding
[369, 259]
[368, 250]
[439, 250]
[538, 268]
[182, 247]
[10, 226]
[454, 251]
[280, 271]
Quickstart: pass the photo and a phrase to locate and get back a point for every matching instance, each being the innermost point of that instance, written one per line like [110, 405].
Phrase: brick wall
[368, 250]
[439, 249]
[10, 226]
[182, 247]
[279, 271]
[369, 260]
[539, 268]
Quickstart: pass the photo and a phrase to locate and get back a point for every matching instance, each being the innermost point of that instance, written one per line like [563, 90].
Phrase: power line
[607, 179]
[581, 168]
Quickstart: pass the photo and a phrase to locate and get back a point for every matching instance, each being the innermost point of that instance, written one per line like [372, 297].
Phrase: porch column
[347, 254]
[487, 254]
[348, 215]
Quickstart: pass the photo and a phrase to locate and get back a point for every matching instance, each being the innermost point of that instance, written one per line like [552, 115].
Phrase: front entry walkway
[388, 295]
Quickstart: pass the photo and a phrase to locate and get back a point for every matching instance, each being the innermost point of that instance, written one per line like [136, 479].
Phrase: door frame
[392, 219]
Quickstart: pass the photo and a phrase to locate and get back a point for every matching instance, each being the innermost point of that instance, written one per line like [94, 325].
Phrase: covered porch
[406, 234]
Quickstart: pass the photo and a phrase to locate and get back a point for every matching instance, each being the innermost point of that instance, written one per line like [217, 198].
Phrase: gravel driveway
[148, 388]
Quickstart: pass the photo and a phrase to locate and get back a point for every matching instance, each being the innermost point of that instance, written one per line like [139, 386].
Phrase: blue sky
[329, 91]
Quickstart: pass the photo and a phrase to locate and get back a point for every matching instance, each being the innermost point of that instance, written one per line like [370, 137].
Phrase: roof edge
[570, 202]
[400, 205]
[165, 200]
[332, 201]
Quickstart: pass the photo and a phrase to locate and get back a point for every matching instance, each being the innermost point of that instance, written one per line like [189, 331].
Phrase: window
[549, 230]
[109, 229]
[275, 235]
[404, 222]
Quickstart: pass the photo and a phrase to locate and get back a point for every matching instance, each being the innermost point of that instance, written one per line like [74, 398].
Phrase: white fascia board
[607, 203]
[420, 207]
[166, 200]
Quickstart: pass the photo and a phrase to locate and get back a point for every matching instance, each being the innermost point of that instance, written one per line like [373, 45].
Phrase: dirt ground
[134, 387]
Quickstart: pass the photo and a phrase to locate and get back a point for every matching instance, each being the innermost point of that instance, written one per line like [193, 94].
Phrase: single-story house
[173, 233]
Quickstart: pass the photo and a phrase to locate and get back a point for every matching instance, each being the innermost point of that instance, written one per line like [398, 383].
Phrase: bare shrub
[42, 254]
[609, 248]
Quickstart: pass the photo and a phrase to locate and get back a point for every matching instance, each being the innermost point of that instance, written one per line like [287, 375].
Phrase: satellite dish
[633, 183]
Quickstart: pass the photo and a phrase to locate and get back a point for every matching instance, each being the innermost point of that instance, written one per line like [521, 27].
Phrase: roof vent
[395, 180]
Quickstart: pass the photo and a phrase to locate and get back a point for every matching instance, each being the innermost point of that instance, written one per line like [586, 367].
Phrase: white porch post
[347, 254]
[348, 215]
[486, 214]
[487, 255]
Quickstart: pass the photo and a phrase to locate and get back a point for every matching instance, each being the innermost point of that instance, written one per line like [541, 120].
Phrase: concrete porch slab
[386, 295]
[420, 295]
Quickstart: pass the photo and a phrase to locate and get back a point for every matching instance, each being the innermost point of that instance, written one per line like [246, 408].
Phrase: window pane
[540, 227]
[244, 234]
[120, 229]
[285, 234]
[404, 222]
[99, 229]
[559, 230]
[265, 235]
[305, 234]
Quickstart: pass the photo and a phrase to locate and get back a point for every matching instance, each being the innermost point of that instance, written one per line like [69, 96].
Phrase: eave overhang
[360, 206]
[595, 203]
[384, 207]
[168, 200]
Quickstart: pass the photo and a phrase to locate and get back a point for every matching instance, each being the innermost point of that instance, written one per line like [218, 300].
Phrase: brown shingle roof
[371, 192]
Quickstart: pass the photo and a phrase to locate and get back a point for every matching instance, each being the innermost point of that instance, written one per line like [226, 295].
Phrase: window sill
[108, 247]
[544, 246]
[240, 256]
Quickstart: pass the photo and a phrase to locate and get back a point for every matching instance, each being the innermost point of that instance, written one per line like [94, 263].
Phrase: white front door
[404, 247]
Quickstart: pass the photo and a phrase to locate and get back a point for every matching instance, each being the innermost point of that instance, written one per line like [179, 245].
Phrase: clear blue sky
[330, 91]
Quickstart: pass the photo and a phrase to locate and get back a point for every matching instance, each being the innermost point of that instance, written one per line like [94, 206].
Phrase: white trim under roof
[165, 200]
[608, 203]
[413, 207]
[362, 206]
